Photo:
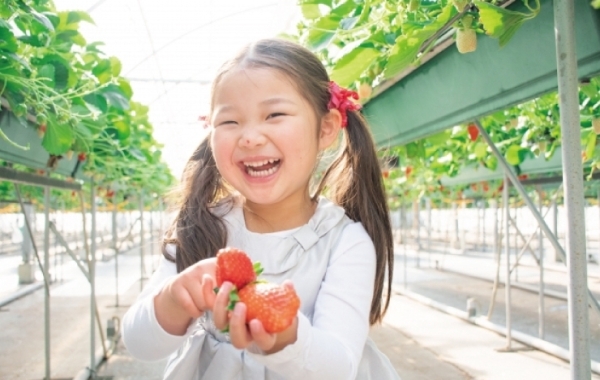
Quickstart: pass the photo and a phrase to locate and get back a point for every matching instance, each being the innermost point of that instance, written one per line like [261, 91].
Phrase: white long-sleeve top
[331, 261]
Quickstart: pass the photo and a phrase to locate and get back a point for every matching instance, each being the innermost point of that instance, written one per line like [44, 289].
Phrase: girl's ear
[331, 124]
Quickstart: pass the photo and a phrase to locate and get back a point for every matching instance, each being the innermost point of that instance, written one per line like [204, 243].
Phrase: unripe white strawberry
[596, 125]
[511, 124]
[364, 91]
[542, 146]
[466, 40]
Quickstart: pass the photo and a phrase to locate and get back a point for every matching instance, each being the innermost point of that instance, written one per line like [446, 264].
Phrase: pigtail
[354, 182]
[197, 231]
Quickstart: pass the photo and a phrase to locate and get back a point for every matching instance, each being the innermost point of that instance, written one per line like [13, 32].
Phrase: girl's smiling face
[266, 137]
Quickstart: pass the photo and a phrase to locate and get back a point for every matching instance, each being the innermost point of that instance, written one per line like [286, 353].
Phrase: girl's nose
[251, 137]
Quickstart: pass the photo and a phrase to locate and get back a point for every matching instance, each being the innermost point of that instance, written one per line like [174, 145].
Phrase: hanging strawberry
[466, 40]
[41, 131]
[385, 173]
[408, 170]
[473, 132]
[81, 157]
[364, 91]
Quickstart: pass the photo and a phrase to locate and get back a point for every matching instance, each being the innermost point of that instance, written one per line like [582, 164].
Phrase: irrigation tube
[526, 339]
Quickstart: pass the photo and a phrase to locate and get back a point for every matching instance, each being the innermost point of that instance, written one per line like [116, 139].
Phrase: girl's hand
[186, 296]
[242, 334]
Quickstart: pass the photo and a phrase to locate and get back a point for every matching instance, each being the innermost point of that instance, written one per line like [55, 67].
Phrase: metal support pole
[541, 263]
[494, 206]
[568, 92]
[507, 253]
[115, 248]
[533, 208]
[403, 238]
[516, 269]
[483, 208]
[456, 232]
[428, 208]
[142, 250]
[478, 235]
[92, 272]
[557, 256]
[47, 282]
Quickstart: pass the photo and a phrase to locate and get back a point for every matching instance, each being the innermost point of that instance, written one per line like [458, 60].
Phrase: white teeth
[262, 173]
[260, 163]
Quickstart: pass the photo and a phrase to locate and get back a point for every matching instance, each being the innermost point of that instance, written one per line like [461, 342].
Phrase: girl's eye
[275, 114]
[227, 122]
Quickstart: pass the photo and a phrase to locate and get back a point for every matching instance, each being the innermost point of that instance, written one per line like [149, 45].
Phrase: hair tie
[340, 100]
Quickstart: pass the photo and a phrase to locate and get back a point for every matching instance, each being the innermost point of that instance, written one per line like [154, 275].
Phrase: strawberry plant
[52, 77]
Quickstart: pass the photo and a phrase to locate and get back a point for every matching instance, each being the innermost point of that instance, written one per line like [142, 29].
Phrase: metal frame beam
[17, 176]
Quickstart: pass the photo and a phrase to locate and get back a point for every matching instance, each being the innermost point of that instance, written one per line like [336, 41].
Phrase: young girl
[249, 185]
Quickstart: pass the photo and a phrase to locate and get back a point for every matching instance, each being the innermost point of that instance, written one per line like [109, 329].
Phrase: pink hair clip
[340, 100]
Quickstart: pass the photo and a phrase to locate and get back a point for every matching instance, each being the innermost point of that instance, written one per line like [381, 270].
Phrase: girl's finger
[220, 306]
[208, 291]
[238, 332]
[194, 289]
[263, 339]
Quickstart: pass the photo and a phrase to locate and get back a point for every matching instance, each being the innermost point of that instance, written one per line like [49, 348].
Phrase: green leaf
[31, 40]
[349, 22]
[115, 66]
[137, 154]
[408, 45]
[43, 20]
[125, 87]
[48, 72]
[344, 9]
[353, 64]
[310, 11]
[590, 146]
[322, 32]
[76, 16]
[122, 129]
[439, 138]
[58, 137]
[96, 102]
[102, 71]
[115, 97]
[501, 23]
[8, 42]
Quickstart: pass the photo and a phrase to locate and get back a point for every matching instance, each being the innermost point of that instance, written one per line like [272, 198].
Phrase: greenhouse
[115, 131]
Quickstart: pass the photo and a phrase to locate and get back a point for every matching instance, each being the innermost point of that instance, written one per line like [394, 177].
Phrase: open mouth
[262, 168]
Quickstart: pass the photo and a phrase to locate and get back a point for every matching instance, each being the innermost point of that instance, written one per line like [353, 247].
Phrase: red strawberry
[274, 305]
[408, 170]
[235, 266]
[473, 132]
[385, 173]
[41, 130]
[81, 157]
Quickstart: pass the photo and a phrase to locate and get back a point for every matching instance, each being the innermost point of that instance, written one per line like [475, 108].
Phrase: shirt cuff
[291, 351]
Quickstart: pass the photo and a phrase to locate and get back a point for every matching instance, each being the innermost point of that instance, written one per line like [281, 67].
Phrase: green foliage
[521, 132]
[49, 73]
[373, 41]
